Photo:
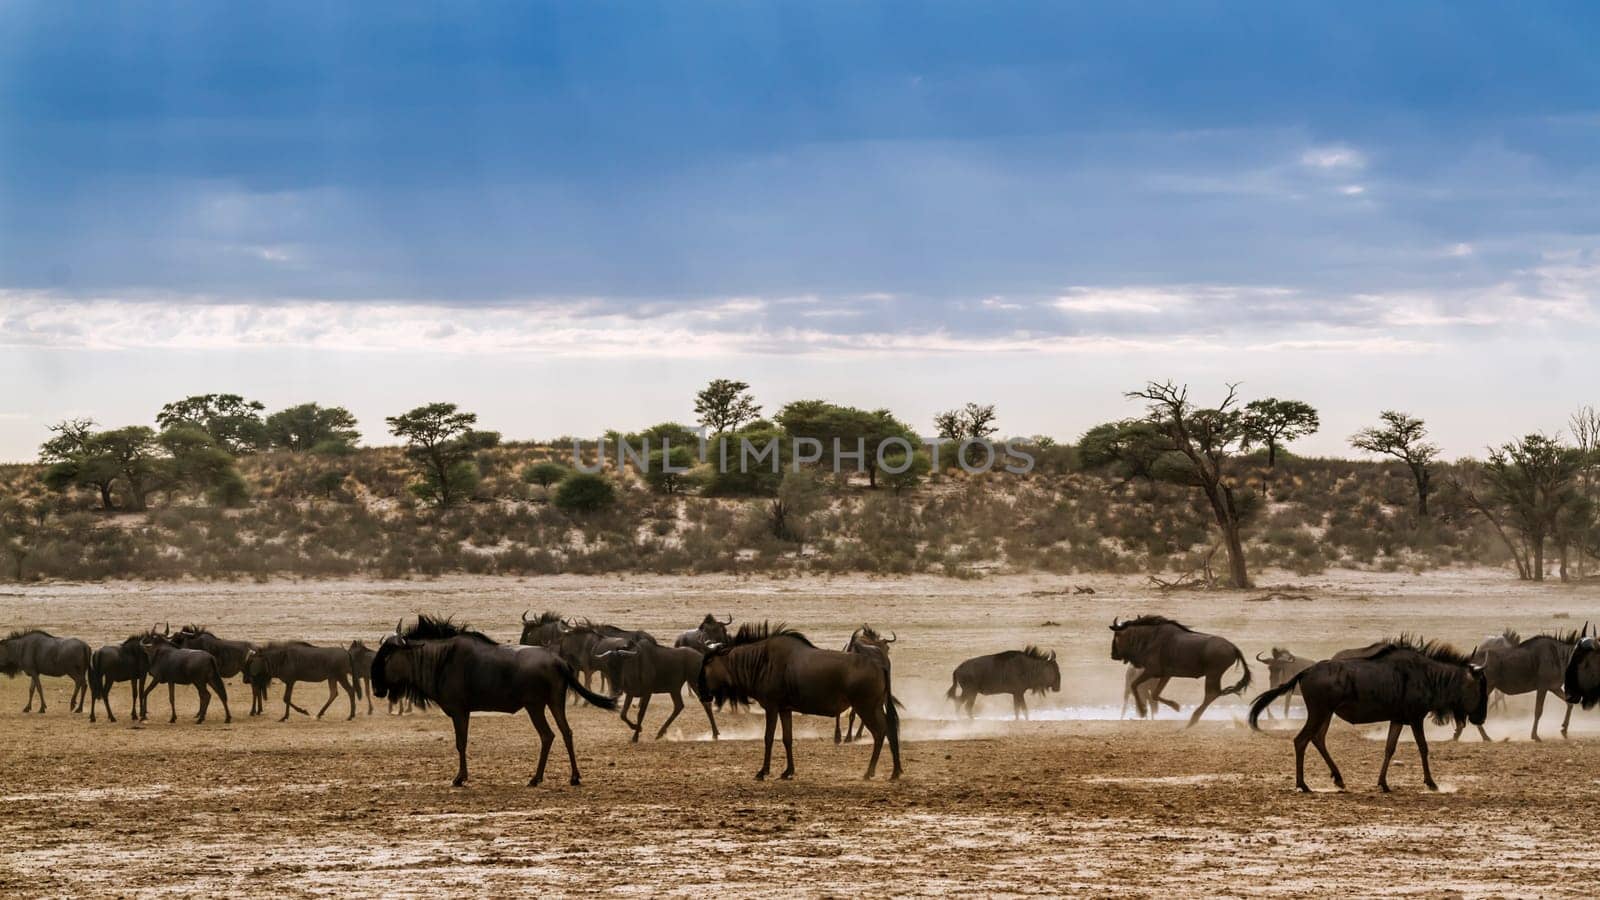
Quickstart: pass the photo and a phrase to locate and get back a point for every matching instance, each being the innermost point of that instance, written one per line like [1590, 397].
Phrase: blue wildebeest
[712, 630]
[1281, 667]
[1013, 672]
[543, 631]
[577, 643]
[1148, 691]
[1167, 649]
[1490, 643]
[361, 657]
[1402, 682]
[112, 663]
[463, 671]
[785, 673]
[866, 641]
[172, 665]
[642, 669]
[1536, 664]
[294, 661]
[33, 653]
[230, 655]
[1581, 682]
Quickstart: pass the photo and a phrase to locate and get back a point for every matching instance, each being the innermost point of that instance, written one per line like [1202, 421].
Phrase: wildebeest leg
[461, 720]
[205, 703]
[1213, 691]
[711, 717]
[1388, 754]
[1422, 751]
[854, 728]
[677, 707]
[627, 703]
[366, 684]
[1538, 710]
[1156, 698]
[638, 725]
[172, 701]
[1564, 719]
[558, 711]
[288, 702]
[350, 690]
[546, 738]
[1286, 700]
[1138, 697]
[766, 759]
[1320, 740]
[333, 694]
[1018, 707]
[836, 735]
[968, 700]
[34, 685]
[787, 718]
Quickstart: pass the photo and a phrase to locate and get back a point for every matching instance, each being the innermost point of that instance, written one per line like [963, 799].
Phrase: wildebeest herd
[1400, 681]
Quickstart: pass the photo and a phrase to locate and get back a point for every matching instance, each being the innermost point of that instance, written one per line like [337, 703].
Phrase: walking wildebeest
[296, 661]
[254, 674]
[1282, 666]
[1402, 682]
[712, 630]
[172, 665]
[1504, 640]
[1167, 649]
[1146, 689]
[785, 673]
[463, 671]
[577, 643]
[862, 640]
[1581, 683]
[230, 655]
[361, 657]
[112, 663]
[641, 669]
[1536, 664]
[542, 631]
[33, 653]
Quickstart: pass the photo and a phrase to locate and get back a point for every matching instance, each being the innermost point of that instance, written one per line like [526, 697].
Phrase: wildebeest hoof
[761, 775]
[533, 782]
[459, 782]
[787, 775]
[1303, 788]
[895, 776]
[576, 781]
[1383, 786]
[1431, 785]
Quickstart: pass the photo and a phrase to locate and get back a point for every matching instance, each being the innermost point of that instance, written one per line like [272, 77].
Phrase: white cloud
[1333, 158]
[1353, 190]
[1459, 250]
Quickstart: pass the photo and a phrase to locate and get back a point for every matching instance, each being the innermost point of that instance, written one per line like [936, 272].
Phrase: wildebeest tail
[1266, 698]
[955, 685]
[590, 697]
[355, 676]
[95, 688]
[1243, 682]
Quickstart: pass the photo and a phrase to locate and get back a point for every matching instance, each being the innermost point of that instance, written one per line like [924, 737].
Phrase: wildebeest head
[547, 627]
[715, 630]
[1475, 698]
[1050, 666]
[1581, 682]
[8, 662]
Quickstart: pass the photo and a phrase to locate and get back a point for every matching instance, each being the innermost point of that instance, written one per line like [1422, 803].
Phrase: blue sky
[909, 205]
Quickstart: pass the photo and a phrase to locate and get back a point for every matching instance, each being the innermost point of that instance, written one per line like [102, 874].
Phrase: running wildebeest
[296, 661]
[1148, 690]
[463, 671]
[1536, 664]
[361, 657]
[1167, 649]
[172, 665]
[862, 640]
[112, 663]
[1402, 682]
[34, 653]
[1282, 666]
[1581, 683]
[544, 630]
[230, 655]
[1013, 672]
[785, 673]
[641, 669]
[712, 630]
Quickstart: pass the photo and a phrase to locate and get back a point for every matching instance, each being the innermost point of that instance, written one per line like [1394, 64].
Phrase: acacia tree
[1205, 438]
[310, 426]
[76, 461]
[441, 444]
[1404, 438]
[850, 428]
[1532, 485]
[1271, 422]
[234, 422]
[725, 404]
[971, 421]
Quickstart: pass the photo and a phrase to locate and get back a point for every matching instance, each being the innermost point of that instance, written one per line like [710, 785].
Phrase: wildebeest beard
[424, 660]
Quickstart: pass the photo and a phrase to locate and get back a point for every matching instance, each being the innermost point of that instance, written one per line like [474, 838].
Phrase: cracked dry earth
[1064, 805]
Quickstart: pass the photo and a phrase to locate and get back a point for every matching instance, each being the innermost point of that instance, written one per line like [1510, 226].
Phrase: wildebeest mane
[1153, 619]
[1511, 637]
[1028, 652]
[1570, 636]
[750, 633]
[197, 630]
[546, 617]
[1438, 651]
[438, 628]
[24, 632]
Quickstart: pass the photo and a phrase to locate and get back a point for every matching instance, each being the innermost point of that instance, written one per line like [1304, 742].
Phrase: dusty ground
[1072, 801]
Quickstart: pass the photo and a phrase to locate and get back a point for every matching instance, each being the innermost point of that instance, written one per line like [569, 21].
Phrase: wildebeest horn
[398, 623]
[892, 638]
[1116, 623]
[619, 652]
[714, 645]
[1260, 660]
[166, 628]
[525, 616]
[730, 620]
